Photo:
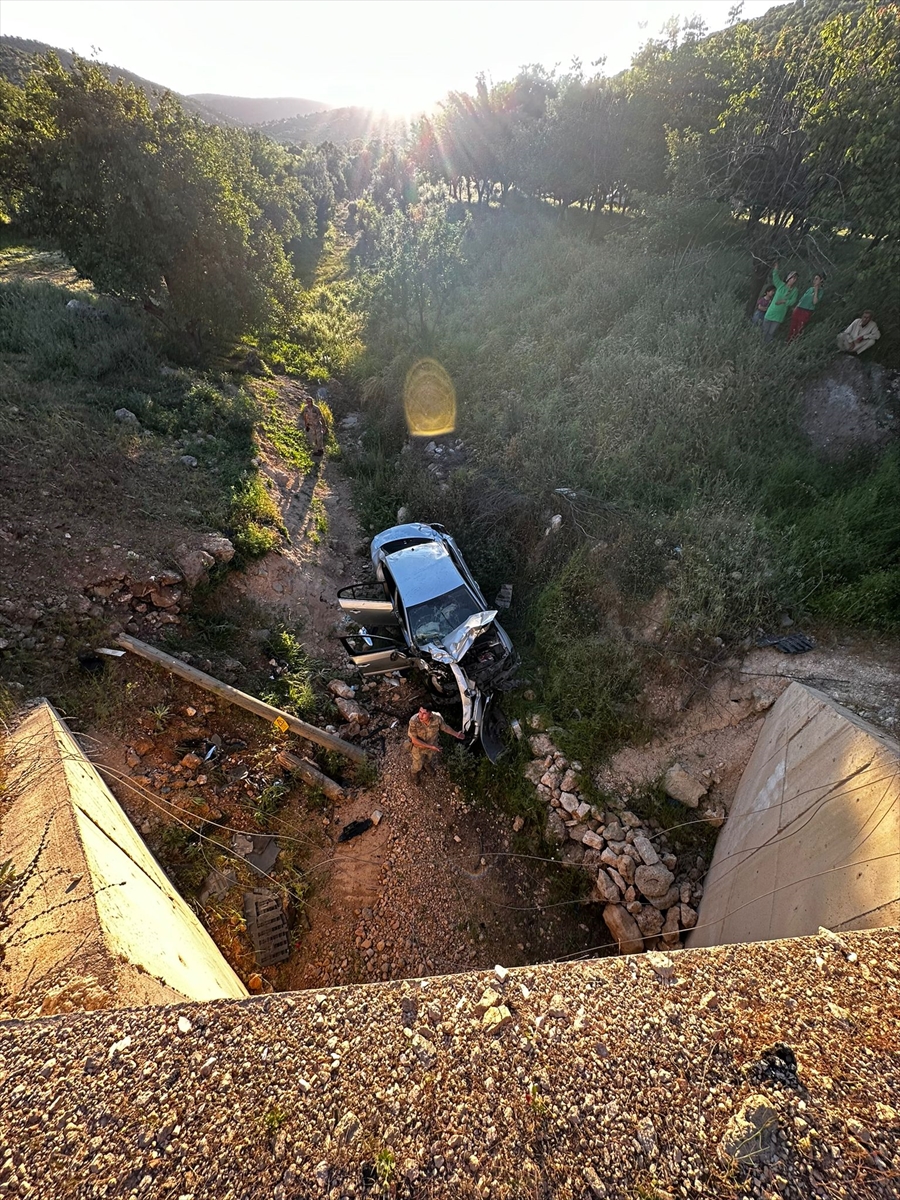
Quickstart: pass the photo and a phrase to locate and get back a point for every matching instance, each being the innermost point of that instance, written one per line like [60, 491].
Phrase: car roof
[413, 531]
[423, 572]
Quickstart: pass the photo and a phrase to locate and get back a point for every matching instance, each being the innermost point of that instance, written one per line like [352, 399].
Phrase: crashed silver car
[425, 610]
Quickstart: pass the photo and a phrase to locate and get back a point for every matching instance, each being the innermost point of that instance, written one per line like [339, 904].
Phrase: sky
[398, 55]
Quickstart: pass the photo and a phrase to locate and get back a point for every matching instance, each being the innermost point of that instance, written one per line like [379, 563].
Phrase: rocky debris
[649, 895]
[684, 787]
[218, 546]
[337, 687]
[351, 711]
[127, 591]
[624, 928]
[277, 1096]
[194, 563]
[81, 994]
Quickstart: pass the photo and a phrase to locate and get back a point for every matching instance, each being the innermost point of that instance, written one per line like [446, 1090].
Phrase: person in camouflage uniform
[424, 729]
[314, 424]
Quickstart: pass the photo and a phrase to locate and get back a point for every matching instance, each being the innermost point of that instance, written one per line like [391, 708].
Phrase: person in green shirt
[805, 307]
[785, 299]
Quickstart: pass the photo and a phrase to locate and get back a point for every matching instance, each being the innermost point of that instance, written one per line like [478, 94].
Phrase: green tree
[417, 265]
[152, 205]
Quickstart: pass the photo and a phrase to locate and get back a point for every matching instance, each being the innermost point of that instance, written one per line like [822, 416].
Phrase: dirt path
[434, 887]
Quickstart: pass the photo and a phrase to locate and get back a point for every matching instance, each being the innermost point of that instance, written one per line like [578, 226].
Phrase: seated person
[859, 334]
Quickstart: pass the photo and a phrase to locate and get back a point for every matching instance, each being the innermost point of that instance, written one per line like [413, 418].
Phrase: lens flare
[429, 399]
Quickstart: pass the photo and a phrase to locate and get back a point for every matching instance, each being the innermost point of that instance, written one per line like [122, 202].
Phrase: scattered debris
[355, 828]
[233, 696]
[267, 927]
[791, 643]
[260, 850]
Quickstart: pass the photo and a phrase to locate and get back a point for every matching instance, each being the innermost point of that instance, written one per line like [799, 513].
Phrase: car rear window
[434, 619]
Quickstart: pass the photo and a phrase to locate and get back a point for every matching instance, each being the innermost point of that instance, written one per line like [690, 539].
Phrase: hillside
[340, 126]
[17, 57]
[253, 110]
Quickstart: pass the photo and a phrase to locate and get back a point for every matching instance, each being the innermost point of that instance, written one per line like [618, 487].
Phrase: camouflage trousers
[422, 758]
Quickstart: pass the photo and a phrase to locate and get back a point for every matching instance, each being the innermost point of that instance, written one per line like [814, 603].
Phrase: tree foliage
[191, 220]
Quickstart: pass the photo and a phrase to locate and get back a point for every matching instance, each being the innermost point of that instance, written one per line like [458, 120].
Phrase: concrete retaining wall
[94, 900]
[813, 836]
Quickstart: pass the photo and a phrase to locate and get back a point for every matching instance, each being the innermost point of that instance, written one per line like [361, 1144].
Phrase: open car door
[378, 653]
[367, 604]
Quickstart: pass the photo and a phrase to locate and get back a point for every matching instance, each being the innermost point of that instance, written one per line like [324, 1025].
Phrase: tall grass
[628, 374]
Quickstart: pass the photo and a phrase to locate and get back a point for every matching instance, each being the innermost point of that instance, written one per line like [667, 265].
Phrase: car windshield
[433, 620]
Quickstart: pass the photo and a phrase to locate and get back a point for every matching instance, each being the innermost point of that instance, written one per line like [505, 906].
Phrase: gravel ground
[642, 1077]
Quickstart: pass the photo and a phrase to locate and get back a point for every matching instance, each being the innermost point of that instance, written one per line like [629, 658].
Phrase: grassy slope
[631, 376]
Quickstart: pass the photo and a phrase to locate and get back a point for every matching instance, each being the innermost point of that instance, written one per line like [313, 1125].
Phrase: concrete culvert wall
[813, 836]
[90, 901]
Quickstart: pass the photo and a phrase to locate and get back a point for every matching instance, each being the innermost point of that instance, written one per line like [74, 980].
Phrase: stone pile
[649, 894]
[154, 596]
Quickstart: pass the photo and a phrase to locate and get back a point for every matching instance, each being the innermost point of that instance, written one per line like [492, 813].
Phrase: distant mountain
[247, 110]
[338, 125]
[17, 57]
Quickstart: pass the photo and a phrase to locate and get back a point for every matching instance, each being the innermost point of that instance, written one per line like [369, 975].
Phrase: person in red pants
[806, 306]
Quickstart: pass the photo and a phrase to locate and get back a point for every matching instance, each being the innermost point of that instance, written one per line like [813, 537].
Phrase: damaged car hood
[457, 644]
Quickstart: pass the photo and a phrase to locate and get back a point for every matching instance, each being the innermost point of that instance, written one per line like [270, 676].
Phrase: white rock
[645, 849]
[184, 1025]
[617, 879]
[653, 881]
[624, 929]
[625, 867]
[594, 840]
[683, 787]
[568, 802]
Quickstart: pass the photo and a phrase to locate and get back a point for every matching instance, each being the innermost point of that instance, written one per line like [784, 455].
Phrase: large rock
[534, 771]
[650, 921]
[194, 564]
[666, 900]
[606, 889]
[351, 711]
[671, 929]
[218, 546]
[568, 802]
[683, 787]
[593, 840]
[750, 1134]
[555, 829]
[645, 849]
[653, 881]
[541, 745]
[625, 866]
[624, 929]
